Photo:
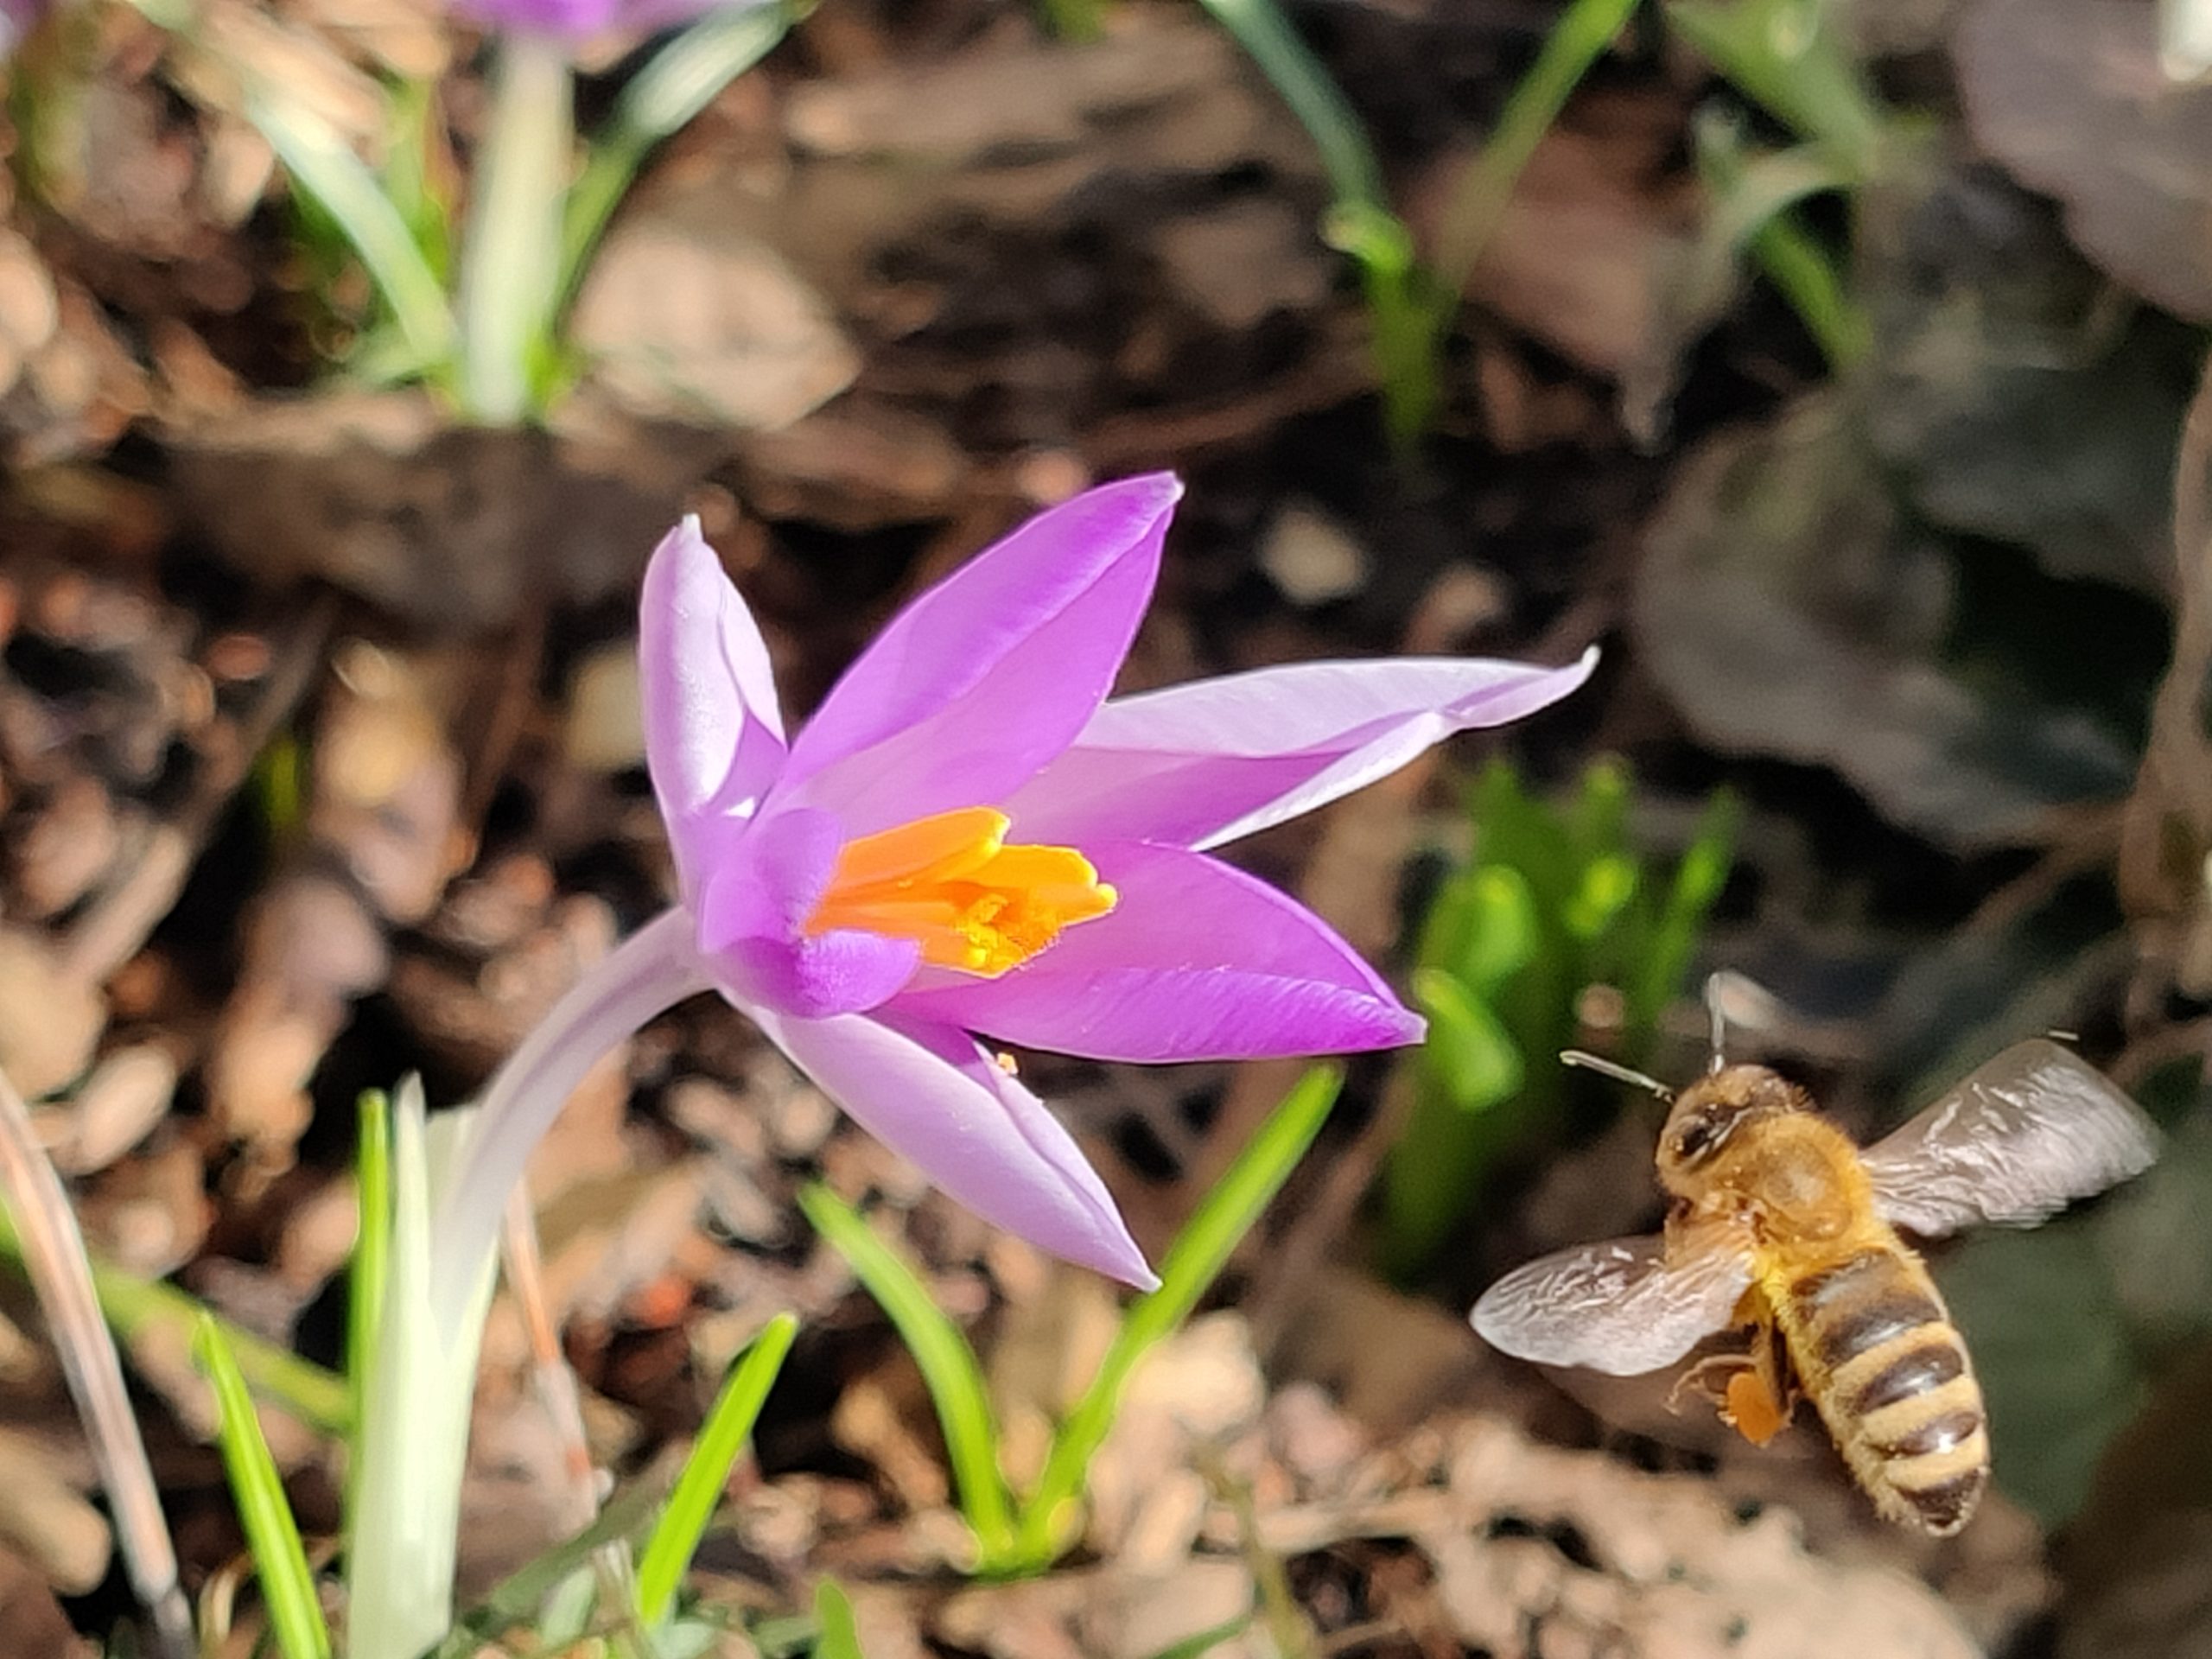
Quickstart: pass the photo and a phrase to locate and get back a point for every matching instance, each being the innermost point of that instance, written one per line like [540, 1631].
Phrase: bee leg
[1762, 1395]
[1712, 1377]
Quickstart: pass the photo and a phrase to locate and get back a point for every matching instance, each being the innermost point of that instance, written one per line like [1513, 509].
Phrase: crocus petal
[752, 910]
[843, 971]
[993, 672]
[928, 1093]
[714, 734]
[1198, 962]
[1198, 765]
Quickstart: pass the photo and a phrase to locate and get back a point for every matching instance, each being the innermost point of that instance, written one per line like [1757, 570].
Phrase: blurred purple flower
[853, 891]
[582, 20]
[17, 19]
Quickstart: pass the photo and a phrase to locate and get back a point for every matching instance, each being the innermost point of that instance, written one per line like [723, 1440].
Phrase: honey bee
[1780, 1223]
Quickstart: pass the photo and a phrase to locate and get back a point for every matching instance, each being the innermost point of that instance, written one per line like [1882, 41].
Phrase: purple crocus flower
[967, 841]
[17, 19]
[585, 20]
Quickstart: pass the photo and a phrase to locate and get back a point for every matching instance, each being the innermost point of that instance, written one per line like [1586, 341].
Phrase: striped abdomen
[1877, 1352]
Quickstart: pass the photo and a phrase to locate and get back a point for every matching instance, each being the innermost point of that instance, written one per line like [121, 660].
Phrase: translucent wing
[2019, 1138]
[1620, 1307]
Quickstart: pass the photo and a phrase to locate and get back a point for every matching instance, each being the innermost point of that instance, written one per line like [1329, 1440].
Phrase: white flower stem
[412, 1440]
[511, 270]
[649, 972]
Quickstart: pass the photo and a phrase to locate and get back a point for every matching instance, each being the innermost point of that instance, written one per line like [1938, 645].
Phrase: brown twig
[554, 1383]
[53, 1254]
[551, 1380]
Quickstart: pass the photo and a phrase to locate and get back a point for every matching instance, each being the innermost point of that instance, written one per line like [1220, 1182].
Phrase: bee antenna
[1614, 1070]
[1715, 986]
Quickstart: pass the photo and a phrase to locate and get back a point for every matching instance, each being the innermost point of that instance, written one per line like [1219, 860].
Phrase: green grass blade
[1794, 260]
[319, 162]
[1797, 264]
[1206, 1640]
[1583, 31]
[1698, 879]
[837, 1635]
[948, 1365]
[272, 1536]
[674, 1537]
[1194, 1261]
[1469, 1058]
[1789, 56]
[681, 79]
[1077, 22]
[370, 1271]
[1298, 76]
[1362, 222]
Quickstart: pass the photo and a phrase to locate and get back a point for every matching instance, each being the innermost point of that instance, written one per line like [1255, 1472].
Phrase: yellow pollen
[950, 883]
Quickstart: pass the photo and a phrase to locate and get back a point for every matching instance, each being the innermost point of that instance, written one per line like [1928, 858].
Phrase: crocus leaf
[836, 1635]
[676, 1536]
[1193, 1262]
[1469, 1052]
[272, 1536]
[948, 1365]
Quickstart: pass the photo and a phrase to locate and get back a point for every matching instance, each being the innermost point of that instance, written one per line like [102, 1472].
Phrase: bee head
[1707, 1115]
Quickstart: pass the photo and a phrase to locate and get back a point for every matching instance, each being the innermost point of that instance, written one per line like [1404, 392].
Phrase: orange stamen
[950, 883]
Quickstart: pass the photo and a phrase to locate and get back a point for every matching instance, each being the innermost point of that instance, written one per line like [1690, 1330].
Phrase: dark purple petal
[1198, 962]
[753, 912]
[1198, 765]
[992, 672]
[928, 1093]
[713, 735]
[845, 971]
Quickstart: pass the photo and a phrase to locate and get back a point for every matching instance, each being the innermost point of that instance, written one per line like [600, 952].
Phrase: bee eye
[1696, 1139]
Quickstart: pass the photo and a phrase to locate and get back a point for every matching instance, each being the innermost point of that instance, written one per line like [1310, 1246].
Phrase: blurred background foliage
[1556, 931]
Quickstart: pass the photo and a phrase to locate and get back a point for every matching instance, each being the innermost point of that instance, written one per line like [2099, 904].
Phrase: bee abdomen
[1897, 1388]
[1864, 1302]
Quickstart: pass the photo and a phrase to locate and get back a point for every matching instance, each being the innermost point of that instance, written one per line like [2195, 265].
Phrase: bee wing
[1620, 1307]
[2017, 1140]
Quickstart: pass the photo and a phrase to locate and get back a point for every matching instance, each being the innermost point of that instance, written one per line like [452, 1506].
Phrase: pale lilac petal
[1198, 765]
[1197, 962]
[993, 672]
[652, 970]
[713, 733]
[928, 1093]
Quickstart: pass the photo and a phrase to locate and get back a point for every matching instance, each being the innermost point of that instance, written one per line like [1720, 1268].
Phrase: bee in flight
[1778, 1222]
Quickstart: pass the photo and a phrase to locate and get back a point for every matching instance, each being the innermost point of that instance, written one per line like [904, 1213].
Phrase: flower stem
[650, 971]
[511, 260]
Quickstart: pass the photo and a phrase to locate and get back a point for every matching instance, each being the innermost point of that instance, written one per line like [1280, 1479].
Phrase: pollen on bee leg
[1004, 1061]
[1749, 1407]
